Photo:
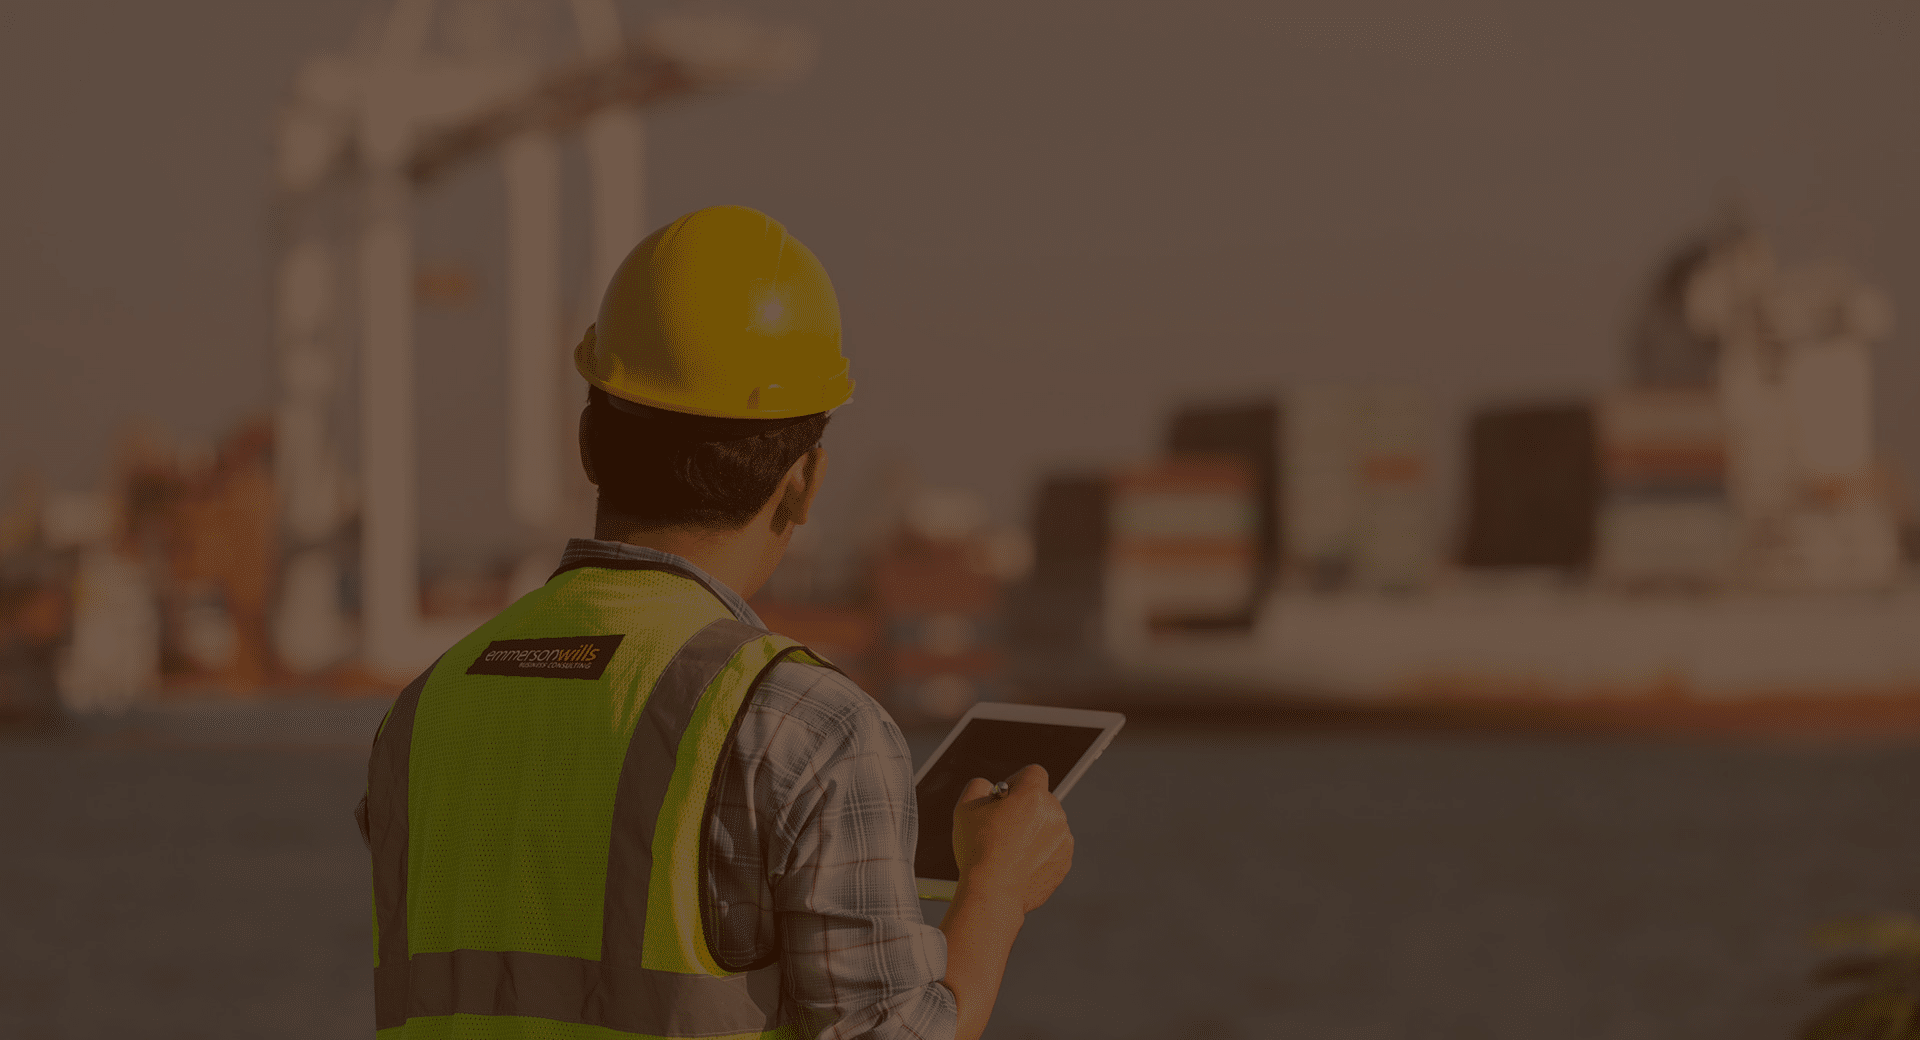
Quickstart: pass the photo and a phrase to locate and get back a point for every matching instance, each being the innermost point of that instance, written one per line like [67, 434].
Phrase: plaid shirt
[808, 856]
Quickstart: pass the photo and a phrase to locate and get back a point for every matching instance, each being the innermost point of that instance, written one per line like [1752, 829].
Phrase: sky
[1047, 223]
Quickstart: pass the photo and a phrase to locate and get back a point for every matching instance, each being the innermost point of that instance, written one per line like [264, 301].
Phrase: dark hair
[669, 469]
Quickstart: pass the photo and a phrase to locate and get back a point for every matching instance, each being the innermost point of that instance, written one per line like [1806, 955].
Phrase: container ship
[1716, 544]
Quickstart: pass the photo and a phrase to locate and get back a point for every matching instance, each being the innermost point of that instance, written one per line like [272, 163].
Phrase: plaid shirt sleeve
[810, 859]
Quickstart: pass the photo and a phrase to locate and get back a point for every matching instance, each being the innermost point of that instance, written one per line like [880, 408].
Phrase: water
[205, 879]
[1265, 885]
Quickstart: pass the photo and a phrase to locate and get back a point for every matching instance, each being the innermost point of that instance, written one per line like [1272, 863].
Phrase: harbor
[1470, 446]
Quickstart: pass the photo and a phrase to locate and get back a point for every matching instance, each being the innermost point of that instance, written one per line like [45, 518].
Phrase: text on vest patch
[559, 657]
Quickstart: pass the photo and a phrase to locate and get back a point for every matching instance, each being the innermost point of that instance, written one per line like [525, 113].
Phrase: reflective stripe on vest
[489, 900]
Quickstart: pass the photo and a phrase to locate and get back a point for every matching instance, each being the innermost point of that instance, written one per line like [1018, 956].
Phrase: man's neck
[740, 559]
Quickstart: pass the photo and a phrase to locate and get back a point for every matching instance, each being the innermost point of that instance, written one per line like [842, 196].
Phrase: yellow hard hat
[720, 313]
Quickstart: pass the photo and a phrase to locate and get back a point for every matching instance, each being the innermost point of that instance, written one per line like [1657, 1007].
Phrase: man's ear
[798, 488]
[586, 457]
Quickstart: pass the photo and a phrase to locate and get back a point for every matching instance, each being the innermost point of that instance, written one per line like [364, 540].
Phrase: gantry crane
[364, 131]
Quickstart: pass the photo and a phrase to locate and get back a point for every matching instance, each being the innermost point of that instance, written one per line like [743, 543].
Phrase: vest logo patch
[561, 657]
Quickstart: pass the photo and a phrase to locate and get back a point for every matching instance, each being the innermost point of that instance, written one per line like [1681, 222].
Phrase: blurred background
[1468, 440]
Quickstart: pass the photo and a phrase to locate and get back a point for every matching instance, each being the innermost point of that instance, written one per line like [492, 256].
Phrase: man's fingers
[1028, 776]
[976, 789]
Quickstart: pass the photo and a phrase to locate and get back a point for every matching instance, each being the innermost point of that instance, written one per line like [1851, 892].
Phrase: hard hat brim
[776, 402]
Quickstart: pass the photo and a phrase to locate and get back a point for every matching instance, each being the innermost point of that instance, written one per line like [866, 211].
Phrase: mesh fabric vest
[536, 802]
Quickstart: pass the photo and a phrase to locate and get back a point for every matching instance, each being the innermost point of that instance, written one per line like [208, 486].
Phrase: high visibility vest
[536, 802]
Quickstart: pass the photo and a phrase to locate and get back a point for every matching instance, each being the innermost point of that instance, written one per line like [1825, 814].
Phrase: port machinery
[427, 87]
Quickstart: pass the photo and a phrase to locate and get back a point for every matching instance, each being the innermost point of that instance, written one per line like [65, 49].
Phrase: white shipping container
[1138, 595]
[1358, 494]
[1320, 490]
[114, 656]
[1667, 418]
[1848, 545]
[1829, 400]
[1662, 540]
[1196, 588]
[1397, 542]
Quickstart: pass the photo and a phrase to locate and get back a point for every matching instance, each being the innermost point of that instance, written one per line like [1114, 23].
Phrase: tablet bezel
[1107, 722]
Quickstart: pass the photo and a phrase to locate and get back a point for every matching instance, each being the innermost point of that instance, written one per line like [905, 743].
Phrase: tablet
[997, 741]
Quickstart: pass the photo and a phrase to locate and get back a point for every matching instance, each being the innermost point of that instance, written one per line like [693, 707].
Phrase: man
[623, 808]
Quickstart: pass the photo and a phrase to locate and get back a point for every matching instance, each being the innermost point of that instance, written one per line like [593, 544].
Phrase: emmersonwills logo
[561, 657]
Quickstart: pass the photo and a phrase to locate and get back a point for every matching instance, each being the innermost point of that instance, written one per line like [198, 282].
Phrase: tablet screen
[995, 749]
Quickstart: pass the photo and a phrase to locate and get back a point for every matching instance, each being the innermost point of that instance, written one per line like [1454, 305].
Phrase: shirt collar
[584, 552]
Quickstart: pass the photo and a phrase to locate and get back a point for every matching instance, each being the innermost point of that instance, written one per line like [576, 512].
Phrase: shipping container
[1251, 431]
[939, 606]
[1359, 488]
[1184, 547]
[1056, 609]
[1533, 487]
[1665, 516]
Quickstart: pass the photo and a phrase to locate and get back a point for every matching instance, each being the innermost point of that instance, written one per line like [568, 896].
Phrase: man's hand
[1013, 852]
[1017, 847]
